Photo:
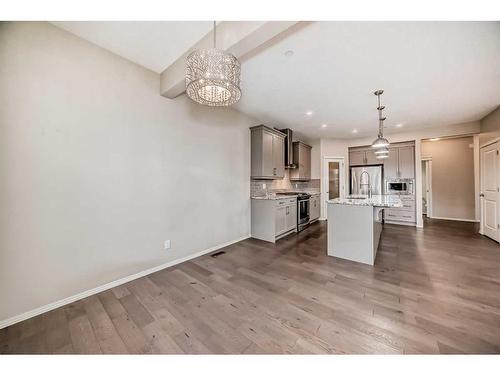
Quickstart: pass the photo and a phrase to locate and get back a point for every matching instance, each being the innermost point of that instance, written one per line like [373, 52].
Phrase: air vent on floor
[215, 255]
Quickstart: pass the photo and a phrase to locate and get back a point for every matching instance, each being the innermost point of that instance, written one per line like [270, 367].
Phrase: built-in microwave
[399, 186]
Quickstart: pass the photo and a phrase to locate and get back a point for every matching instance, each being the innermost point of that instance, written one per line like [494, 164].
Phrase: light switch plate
[166, 245]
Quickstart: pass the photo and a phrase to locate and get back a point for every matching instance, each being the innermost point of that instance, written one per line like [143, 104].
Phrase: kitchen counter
[275, 197]
[355, 226]
[383, 201]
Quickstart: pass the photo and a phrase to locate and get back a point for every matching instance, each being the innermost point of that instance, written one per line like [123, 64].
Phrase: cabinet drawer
[406, 198]
[407, 206]
[286, 202]
[399, 215]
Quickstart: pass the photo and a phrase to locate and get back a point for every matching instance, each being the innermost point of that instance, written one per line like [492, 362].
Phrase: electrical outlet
[264, 186]
[166, 245]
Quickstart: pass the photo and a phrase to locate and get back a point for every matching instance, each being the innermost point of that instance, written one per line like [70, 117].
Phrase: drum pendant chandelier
[380, 144]
[213, 77]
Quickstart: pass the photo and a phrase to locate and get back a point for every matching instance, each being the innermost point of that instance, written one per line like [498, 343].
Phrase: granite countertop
[275, 197]
[385, 201]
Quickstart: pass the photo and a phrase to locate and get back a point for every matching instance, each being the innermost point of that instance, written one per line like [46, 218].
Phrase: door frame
[487, 144]
[428, 184]
[324, 181]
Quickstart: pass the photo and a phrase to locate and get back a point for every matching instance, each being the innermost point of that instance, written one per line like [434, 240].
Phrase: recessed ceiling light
[434, 139]
[354, 131]
[309, 113]
[289, 53]
[324, 125]
[399, 125]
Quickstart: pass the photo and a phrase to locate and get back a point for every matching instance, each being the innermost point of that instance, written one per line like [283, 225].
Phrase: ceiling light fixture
[289, 53]
[380, 141]
[381, 151]
[400, 125]
[213, 76]
[354, 131]
[309, 113]
[434, 139]
[324, 125]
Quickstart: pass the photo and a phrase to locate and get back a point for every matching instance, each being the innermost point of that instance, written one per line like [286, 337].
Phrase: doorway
[427, 187]
[333, 185]
[490, 175]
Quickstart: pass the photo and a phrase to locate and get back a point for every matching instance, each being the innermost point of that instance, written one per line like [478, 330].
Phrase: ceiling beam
[241, 38]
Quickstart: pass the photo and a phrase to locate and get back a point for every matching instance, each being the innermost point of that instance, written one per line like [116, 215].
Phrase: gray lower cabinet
[273, 218]
[314, 208]
[402, 215]
[268, 153]
[302, 161]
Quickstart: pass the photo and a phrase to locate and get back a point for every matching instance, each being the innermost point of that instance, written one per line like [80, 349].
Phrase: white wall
[97, 169]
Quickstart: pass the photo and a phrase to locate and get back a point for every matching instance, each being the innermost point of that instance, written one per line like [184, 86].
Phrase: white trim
[490, 142]
[112, 284]
[428, 195]
[455, 219]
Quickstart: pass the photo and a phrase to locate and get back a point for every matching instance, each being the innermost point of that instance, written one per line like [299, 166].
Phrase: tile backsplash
[257, 186]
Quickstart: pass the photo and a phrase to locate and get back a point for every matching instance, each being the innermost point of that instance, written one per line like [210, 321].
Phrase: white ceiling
[154, 45]
[433, 73]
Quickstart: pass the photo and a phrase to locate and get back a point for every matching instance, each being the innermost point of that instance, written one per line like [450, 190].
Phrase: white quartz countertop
[385, 201]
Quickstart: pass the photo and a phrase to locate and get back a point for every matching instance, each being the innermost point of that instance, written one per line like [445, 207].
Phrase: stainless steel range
[302, 211]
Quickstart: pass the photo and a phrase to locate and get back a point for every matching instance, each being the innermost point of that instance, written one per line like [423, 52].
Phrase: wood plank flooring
[435, 290]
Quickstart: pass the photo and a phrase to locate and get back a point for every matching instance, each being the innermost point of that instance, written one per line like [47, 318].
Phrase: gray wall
[452, 177]
[97, 169]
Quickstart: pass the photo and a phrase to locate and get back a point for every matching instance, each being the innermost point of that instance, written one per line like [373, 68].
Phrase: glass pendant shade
[381, 151]
[213, 77]
[380, 142]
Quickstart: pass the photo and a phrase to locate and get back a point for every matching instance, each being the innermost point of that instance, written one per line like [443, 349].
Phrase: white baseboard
[54, 305]
[454, 219]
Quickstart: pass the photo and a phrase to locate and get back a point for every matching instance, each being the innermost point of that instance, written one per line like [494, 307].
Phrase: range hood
[288, 148]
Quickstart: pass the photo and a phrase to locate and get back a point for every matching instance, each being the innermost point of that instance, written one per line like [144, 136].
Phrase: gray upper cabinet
[391, 164]
[356, 157]
[400, 163]
[363, 157]
[407, 162]
[268, 153]
[302, 160]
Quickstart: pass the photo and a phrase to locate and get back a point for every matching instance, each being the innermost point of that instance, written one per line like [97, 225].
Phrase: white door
[333, 185]
[489, 191]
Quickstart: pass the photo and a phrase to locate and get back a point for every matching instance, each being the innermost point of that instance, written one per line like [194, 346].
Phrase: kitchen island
[355, 226]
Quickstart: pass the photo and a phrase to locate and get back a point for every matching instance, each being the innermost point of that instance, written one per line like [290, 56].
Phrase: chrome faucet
[366, 184]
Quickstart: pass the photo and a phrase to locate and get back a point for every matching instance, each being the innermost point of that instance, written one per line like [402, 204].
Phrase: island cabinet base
[354, 232]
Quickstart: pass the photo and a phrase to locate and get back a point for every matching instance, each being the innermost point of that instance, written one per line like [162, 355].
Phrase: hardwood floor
[431, 291]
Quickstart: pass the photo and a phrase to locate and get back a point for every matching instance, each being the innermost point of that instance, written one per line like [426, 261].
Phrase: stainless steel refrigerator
[359, 182]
